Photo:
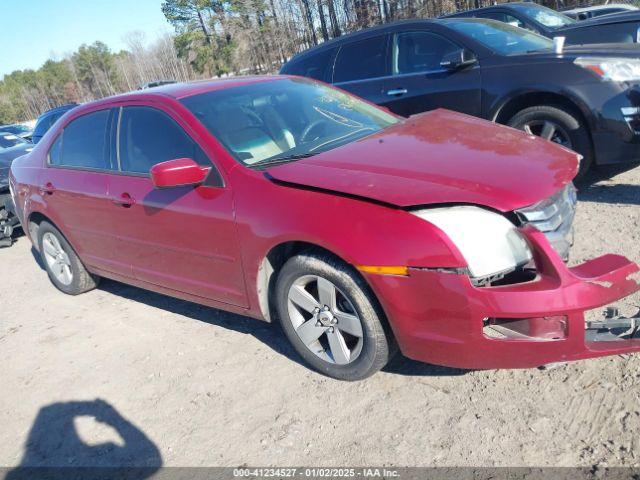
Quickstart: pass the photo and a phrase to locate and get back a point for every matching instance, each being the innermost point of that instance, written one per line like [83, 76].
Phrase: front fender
[356, 230]
[498, 105]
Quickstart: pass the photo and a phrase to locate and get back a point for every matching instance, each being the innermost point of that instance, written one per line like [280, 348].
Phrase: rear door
[361, 66]
[418, 83]
[182, 238]
[74, 187]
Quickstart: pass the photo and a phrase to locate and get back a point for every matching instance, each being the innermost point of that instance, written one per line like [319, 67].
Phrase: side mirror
[458, 59]
[177, 173]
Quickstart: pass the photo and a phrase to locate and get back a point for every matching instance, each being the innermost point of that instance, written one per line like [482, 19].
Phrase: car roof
[182, 90]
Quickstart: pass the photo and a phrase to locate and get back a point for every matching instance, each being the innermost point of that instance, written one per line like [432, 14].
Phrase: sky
[37, 30]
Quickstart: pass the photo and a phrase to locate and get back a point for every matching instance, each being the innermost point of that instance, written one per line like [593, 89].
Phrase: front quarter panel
[507, 82]
[358, 231]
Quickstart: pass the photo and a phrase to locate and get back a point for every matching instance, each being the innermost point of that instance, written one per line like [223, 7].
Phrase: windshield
[8, 140]
[285, 119]
[501, 37]
[545, 16]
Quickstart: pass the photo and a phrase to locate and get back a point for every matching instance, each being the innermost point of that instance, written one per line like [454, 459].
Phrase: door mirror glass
[178, 172]
[458, 59]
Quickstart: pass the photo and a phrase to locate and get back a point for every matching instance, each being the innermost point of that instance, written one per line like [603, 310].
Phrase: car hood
[439, 157]
[7, 156]
[570, 52]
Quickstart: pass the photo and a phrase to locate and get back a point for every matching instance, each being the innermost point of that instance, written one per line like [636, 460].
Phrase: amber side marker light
[404, 271]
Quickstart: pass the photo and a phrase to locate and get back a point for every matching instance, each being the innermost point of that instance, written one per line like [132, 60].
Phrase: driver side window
[419, 52]
[148, 136]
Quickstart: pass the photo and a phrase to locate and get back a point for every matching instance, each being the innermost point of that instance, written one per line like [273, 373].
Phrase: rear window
[316, 66]
[361, 60]
[83, 143]
[547, 17]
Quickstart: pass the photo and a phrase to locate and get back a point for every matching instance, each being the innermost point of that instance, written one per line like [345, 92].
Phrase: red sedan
[280, 197]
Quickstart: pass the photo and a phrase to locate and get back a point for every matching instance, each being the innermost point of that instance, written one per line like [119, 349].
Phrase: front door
[181, 238]
[418, 83]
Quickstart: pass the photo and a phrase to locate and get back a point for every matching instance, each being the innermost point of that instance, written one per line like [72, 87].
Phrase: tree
[185, 15]
[323, 22]
[94, 68]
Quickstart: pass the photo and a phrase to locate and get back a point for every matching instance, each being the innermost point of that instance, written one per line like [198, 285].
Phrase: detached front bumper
[439, 317]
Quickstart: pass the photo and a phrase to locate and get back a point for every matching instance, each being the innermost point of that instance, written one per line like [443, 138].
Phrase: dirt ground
[120, 375]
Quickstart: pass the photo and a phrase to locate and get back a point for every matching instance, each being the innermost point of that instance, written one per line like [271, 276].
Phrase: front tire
[63, 266]
[558, 125]
[331, 318]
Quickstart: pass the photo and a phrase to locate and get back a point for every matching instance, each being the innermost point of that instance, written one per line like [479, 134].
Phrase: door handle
[397, 92]
[124, 200]
[47, 189]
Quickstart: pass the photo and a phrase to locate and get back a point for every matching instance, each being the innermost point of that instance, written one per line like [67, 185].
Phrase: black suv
[586, 98]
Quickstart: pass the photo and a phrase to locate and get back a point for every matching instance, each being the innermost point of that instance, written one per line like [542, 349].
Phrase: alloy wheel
[549, 131]
[57, 259]
[325, 320]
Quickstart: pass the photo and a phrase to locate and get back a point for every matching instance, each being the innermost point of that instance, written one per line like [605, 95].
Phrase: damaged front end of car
[517, 304]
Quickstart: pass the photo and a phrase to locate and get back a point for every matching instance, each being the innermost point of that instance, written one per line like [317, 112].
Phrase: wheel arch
[518, 101]
[272, 263]
[34, 219]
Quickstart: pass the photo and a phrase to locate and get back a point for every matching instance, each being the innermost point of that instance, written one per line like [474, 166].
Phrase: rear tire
[346, 341]
[559, 125]
[63, 266]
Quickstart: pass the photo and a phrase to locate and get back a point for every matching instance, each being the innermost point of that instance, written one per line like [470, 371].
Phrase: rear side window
[419, 52]
[315, 66]
[361, 60]
[83, 143]
[149, 136]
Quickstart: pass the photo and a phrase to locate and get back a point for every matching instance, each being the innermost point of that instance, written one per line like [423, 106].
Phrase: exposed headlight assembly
[613, 69]
[489, 242]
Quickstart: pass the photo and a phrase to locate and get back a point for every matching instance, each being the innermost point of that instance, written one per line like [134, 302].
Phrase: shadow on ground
[56, 450]
[269, 334]
[613, 193]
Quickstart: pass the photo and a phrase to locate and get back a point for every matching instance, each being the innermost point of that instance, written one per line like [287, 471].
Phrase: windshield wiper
[267, 162]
